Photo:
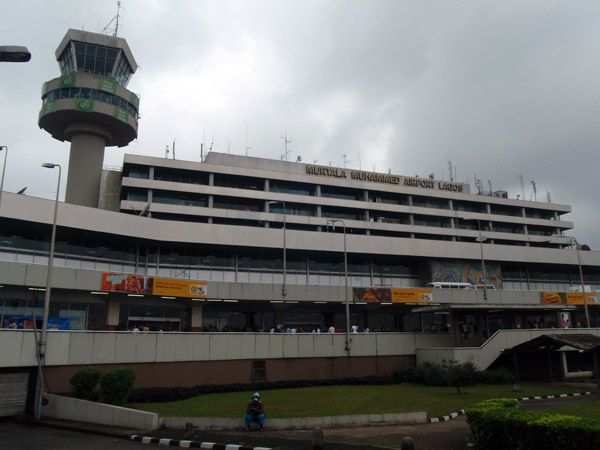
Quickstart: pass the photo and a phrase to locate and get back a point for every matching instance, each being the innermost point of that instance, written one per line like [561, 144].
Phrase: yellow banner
[179, 288]
[568, 298]
[576, 298]
[412, 296]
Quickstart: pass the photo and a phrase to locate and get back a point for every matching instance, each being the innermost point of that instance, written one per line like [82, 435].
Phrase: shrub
[498, 424]
[84, 382]
[496, 376]
[459, 374]
[116, 385]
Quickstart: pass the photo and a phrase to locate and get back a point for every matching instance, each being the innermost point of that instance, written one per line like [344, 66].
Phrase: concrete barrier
[205, 424]
[67, 408]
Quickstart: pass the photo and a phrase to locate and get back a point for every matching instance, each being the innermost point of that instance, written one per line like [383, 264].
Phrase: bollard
[317, 442]
[408, 443]
[189, 430]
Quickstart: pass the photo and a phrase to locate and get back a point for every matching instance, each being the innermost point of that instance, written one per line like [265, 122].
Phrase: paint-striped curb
[450, 416]
[454, 415]
[192, 444]
[575, 394]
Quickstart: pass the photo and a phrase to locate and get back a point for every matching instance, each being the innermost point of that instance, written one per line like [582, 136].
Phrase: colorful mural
[464, 272]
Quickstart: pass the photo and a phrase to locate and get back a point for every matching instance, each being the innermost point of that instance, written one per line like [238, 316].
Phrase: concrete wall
[195, 373]
[17, 347]
[74, 409]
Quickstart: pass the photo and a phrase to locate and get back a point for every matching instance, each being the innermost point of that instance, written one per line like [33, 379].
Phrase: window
[259, 369]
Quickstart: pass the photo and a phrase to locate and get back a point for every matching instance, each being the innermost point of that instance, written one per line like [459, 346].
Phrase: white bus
[448, 285]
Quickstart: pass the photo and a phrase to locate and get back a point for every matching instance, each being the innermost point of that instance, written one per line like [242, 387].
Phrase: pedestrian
[255, 412]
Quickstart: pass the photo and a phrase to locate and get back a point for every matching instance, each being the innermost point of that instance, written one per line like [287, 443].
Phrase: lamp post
[332, 222]
[42, 343]
[577, 248]
[3, 147]
[272, 202]
[14, 53]
[585, 304]
[482, 258]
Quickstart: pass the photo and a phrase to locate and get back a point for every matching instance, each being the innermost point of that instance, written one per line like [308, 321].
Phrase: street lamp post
[332, 223]
[3, 147]
[577, 248]
[283, 289]
[585, 304]
[14, 53]
[42, 343]
[482, 258]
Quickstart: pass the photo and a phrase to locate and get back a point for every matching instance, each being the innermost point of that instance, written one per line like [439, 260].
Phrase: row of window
[94, 94]
[96, 59]
[306, 189]
[107, 252]
[329, 212]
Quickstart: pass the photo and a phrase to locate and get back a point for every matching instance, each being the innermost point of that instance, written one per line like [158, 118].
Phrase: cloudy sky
[502, 90]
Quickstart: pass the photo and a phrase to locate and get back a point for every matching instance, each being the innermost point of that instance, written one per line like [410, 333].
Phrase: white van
[448, 285]
[481, 287]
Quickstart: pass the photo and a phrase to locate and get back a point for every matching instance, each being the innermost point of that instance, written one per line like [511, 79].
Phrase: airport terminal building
[199, 246]
[237, 243]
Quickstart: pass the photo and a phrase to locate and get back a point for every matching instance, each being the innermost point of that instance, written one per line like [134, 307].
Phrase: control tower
[89, 106]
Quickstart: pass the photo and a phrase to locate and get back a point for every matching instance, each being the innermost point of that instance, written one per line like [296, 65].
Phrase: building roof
[585, 342]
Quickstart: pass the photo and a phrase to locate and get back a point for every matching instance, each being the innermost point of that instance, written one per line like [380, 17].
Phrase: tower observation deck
[89, 106]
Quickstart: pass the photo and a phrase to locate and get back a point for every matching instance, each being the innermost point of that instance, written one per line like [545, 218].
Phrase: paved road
[19, 436]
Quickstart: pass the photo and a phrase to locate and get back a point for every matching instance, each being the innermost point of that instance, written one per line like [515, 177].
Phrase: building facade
[199, 246]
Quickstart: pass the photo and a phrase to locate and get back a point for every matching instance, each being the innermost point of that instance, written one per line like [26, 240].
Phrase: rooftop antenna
[450, 170]
[114, 19]
[344, 160]
[490, 185]
[533, 191]
[548, 196]
[173, 148]
[247, 148]
[359, 162]
[167, 151]
[520, 177]
[228, 145]
[286, 143]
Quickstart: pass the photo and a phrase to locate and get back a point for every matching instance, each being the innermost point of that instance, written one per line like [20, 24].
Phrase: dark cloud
[501, 89]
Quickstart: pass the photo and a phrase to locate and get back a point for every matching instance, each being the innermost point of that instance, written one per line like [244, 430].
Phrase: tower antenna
[247, 148]
[285, 155]
[114, 19]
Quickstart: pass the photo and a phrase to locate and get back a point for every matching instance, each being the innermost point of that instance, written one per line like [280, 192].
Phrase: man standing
[255, 412]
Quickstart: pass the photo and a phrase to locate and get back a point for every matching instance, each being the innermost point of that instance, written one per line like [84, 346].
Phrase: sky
[501, 91]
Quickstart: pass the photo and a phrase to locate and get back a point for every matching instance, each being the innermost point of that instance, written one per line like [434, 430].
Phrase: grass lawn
[587, 409]
[347, 400]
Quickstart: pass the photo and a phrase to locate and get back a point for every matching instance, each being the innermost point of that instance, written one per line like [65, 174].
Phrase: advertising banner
[412, 296]
[121, 114]
[108, 85]
[122, 282]
[565, 320]
[139, 284]
[386, 295]
[179, 288]
[567, 298]
[84, 104]
[67, 80]
[49, 107]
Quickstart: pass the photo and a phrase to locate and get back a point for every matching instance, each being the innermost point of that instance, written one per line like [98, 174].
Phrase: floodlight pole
[332, 223]
[42, 343]
[3, 147]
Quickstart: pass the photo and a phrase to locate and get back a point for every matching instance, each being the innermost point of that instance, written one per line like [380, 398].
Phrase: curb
[192, 444]
[454, 415]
